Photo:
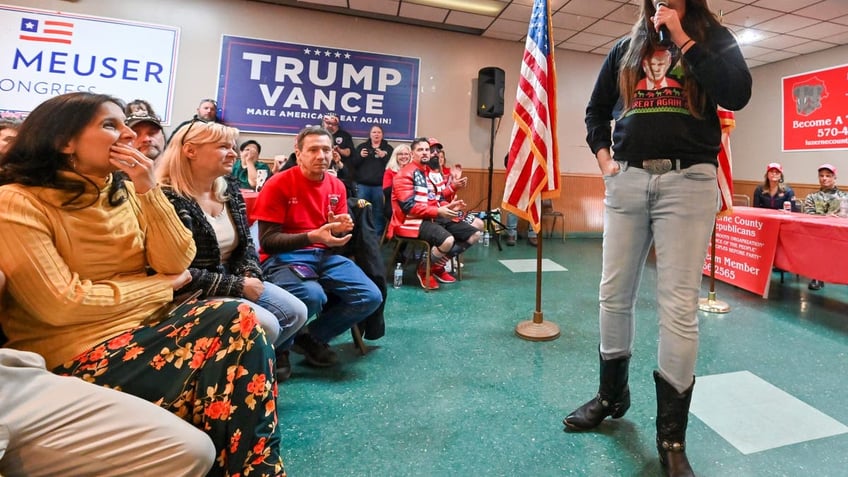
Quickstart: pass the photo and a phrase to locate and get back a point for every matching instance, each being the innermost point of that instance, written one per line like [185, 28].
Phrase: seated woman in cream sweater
[92, 262]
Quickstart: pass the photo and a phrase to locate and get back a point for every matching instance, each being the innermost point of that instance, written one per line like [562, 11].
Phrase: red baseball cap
[829, 167]
[774, 165]
[433, 142]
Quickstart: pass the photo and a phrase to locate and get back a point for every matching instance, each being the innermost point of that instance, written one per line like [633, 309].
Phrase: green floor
[450, 389]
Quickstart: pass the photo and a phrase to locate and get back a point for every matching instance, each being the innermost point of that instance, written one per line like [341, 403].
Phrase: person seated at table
[825, 201]
[416, 213]
[92, 262]
[303, 215]
[773, 193]
[194, 174]
[248, 169]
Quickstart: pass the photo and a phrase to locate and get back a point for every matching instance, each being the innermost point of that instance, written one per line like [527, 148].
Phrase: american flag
[533, 167]
[725, 163]
[50, 31]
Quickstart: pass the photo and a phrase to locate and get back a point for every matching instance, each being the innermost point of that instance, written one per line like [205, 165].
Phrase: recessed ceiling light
[748, 36]
[482, 7]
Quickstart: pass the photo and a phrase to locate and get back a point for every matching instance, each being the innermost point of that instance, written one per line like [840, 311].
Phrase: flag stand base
[536, 329]
[711, 305]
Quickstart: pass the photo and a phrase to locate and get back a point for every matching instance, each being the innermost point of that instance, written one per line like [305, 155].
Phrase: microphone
[663, 34]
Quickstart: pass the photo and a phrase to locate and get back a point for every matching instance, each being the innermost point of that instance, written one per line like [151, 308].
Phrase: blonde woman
[195, 173]
[400, 157]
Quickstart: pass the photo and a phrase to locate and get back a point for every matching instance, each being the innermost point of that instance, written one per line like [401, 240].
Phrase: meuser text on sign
[277, 87]
[47, 53]
[744, 251]
[815, 110]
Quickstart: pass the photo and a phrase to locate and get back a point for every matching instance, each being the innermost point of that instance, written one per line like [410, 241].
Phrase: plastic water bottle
[398, 276]
[843, 207]
[787, 206]
[486, 238]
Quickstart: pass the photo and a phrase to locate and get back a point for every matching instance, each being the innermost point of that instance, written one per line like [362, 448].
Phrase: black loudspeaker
[490, 92]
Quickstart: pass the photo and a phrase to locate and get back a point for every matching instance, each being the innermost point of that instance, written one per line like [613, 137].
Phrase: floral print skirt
[209, 363]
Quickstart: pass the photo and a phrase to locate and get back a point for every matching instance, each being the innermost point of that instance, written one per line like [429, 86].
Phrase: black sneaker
[816, 285]
[284, 369]
[316, 354]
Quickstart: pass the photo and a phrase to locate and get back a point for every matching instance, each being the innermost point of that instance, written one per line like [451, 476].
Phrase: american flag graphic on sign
[49, 31]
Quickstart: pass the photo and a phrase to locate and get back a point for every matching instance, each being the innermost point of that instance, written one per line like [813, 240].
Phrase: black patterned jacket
[208, 273]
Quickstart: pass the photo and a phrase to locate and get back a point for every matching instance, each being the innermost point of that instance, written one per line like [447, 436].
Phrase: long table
[753, 240]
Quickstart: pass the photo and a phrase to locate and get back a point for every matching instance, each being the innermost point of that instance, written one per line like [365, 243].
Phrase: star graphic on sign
[29, 25]
[317, 52]
[347, 56]
[327, 52]
[307, 51]
[338, 55]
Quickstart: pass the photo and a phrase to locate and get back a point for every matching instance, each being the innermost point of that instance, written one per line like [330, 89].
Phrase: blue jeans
[354, 295]
[374, 194]
[279, 308]
[512, 226]
[675, 211]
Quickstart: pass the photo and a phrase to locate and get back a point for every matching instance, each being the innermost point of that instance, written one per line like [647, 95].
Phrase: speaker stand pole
[494, 233]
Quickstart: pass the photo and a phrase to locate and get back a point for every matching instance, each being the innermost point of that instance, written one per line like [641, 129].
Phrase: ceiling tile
[504, 35]
[776, 56]
[825, 10]
[332, 3]
[590, 8]
[469, 20]
[604, 27]
[786, 23]
[562, 34]
[509, 26]
[751, 51]
[590, 39]
[780, 42]
[627, 13]
[821, 30]
[517, 12]
[749, 16]
[784, 5]
[572, 22]
[421, 12]
[810, 47]
[841, 20]
[725, 6]
[575, 47]
[384, 7]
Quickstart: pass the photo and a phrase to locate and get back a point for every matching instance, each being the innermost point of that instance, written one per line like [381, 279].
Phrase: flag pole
[710, 304]
[538, 329]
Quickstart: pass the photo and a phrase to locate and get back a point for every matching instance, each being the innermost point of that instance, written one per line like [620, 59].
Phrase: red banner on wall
[745, 249]
[815, 110]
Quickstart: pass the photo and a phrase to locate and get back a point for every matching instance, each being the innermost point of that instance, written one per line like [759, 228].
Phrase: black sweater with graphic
[659, 124]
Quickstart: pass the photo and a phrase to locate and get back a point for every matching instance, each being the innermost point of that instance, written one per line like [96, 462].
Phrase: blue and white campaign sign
[275, 87]
[45, 54]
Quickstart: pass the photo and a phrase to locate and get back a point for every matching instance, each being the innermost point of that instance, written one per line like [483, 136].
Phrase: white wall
[449, 66]
[757, 138]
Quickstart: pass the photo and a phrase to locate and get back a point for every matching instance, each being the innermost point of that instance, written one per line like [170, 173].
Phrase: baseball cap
[134, 119]
[829, 167]
[774, 165]
[249, 142]
[433, 142]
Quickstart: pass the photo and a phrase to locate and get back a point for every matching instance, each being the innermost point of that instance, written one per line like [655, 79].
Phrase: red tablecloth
[814, 246]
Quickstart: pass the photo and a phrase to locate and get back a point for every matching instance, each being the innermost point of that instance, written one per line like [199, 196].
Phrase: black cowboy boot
[672, 418]
[613, 398]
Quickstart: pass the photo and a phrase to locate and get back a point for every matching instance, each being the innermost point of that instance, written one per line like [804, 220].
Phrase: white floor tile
[529, 265]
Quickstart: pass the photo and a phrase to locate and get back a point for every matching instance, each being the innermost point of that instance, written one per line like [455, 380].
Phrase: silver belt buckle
[657, 166]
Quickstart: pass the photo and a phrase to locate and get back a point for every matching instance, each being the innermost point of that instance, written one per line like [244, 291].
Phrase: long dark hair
[36, 156]
[696, 22]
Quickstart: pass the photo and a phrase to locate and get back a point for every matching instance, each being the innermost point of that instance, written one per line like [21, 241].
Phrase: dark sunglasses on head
[195, 120]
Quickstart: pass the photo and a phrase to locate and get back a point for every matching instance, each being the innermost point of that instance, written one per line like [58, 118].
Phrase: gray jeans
[675, 212]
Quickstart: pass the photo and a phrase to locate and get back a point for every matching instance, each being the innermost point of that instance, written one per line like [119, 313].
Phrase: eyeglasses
[195, 120]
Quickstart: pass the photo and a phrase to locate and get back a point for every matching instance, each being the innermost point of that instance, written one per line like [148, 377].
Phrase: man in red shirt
[417, 213]
[302, 214]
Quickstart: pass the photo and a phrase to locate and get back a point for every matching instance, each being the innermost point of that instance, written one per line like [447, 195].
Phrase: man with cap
[773, 193]
[826, 201]
[248, 169]
[149, 139]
